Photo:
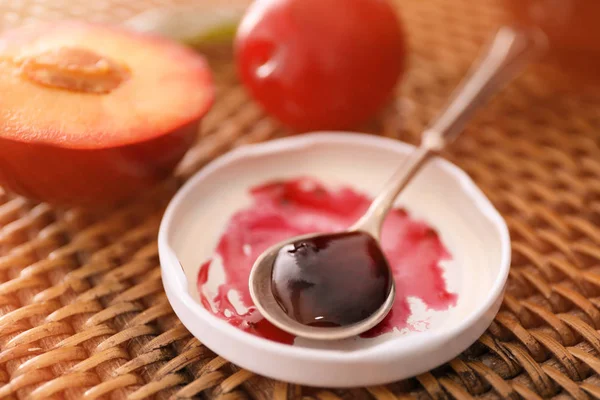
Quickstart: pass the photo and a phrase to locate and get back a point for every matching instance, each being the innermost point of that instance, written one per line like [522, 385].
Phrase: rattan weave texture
[82, 309]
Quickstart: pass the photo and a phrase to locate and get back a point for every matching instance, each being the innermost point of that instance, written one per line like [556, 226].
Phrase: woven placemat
[84, 315]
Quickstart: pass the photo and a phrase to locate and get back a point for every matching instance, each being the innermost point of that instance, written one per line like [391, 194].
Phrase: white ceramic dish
[441, 194]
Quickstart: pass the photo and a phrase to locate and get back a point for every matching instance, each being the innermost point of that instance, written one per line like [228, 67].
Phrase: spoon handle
[509, 53]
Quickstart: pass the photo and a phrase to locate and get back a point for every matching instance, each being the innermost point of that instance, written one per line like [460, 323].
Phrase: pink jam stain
[284, 209]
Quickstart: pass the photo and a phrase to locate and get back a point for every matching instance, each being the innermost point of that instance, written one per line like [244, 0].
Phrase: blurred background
[571, 25]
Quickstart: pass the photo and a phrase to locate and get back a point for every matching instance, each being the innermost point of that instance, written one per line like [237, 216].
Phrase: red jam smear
[283, 209]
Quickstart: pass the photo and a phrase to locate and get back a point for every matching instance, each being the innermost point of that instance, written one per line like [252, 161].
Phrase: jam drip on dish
[283, 209]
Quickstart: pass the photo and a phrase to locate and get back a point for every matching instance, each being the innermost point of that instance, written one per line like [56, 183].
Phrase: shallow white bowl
[441, 194]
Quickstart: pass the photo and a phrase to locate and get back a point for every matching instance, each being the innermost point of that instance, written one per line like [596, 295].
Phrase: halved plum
[92, 114]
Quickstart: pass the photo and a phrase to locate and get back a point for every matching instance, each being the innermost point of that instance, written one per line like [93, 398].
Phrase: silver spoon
[510, 51]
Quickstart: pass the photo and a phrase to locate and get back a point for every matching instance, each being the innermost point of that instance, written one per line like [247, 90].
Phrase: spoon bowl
[264, 299]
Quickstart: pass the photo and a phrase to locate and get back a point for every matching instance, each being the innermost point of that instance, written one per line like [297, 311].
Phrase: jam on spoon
[331, 280]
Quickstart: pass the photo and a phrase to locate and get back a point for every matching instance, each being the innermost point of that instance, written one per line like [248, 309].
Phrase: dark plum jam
[284, 209]
[331, 280]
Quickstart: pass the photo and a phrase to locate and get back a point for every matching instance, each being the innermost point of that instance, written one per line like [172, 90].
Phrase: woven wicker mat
[83, 310]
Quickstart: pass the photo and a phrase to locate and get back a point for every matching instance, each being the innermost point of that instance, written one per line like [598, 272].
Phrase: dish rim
[387, 350]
